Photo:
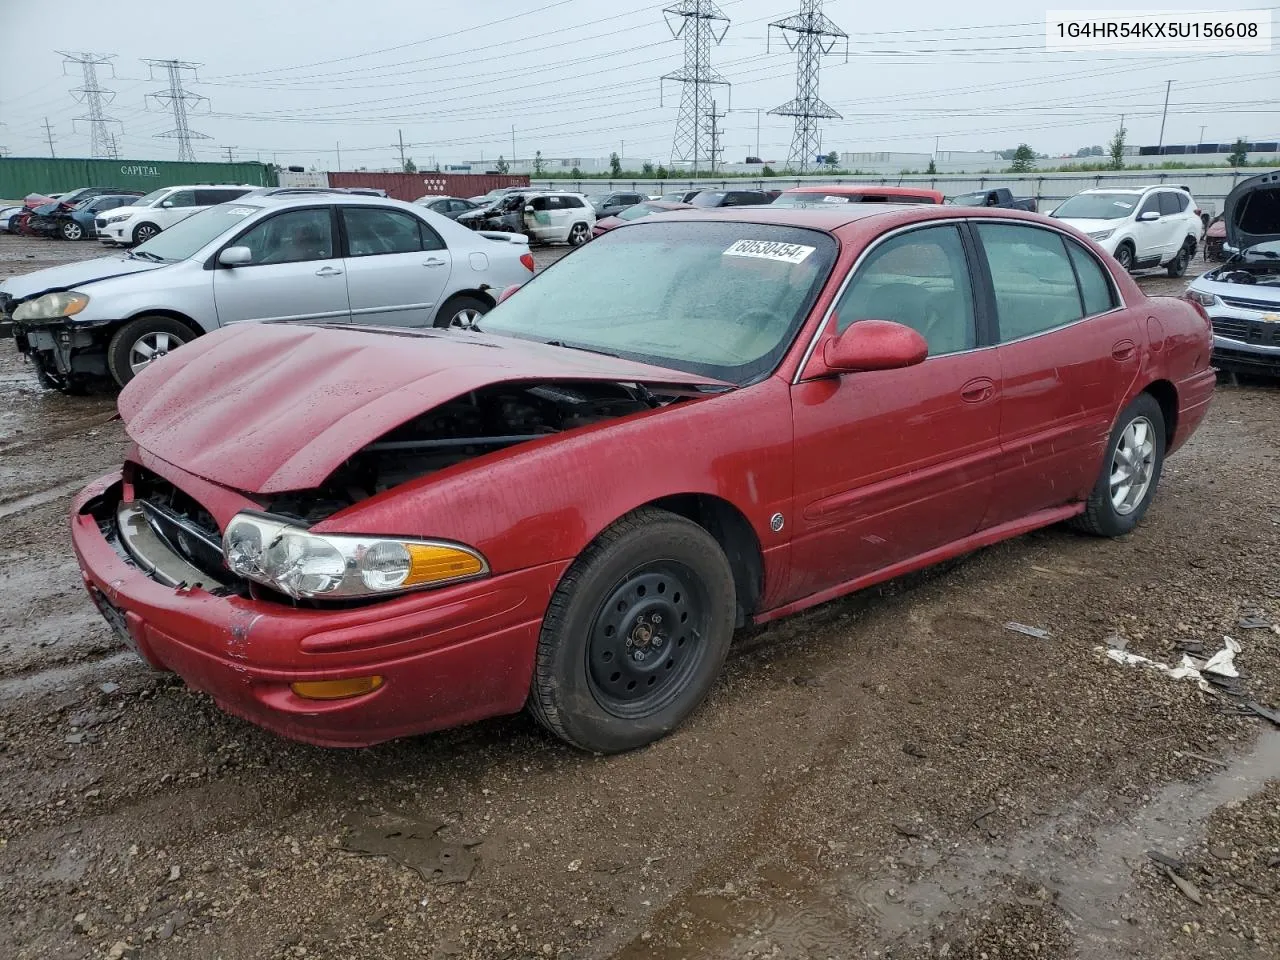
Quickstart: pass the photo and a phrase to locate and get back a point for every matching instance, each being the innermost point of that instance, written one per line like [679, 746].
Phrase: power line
[177, 99]
[94, 97]
[699, 20]
[815, 36]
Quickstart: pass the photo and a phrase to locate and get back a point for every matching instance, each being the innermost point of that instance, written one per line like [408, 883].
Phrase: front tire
[1124, 257]
[461, 312]
[141, 342]
[635, 634]
[1130, 471]
[144, 232]
[72, 231]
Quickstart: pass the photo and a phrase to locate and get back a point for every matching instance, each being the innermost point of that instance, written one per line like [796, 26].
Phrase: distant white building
[550, 165]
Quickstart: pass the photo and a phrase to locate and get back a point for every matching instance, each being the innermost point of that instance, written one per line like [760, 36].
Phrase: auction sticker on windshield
[770, 250]
[241, 211]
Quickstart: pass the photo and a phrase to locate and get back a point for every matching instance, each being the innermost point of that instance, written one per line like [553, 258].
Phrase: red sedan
[637, 212]
[705, 420]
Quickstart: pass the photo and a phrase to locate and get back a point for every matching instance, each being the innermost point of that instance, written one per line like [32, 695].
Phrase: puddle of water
[1087, 868]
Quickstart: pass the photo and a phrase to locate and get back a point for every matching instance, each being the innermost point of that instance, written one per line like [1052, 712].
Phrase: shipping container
[411, 186]
[20, 176]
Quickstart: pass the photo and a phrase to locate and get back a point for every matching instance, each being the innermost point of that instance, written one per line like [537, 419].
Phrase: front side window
[152, 198]
[1034, 283]
[1151, 204]
[921, 280]
[373, 230]
[721, 300]
[183, 198]
[291, 237]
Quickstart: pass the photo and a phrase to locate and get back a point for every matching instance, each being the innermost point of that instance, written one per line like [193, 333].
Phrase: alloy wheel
[151, 347]
[578, 235]
[1132, 466]
[72, 230]
[466, 318]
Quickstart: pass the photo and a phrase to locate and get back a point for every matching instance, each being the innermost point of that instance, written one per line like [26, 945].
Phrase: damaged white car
[1242, 297]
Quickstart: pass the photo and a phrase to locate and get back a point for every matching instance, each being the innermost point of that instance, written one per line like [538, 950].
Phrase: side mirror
[529, 208]
[166, 203]
[1148, 216]
[508, 292]
[235, 256]
[874, 345]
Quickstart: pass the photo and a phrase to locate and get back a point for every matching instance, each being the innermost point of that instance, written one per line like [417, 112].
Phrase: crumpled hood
[1252, 211]
[269, 407]
[71, 276]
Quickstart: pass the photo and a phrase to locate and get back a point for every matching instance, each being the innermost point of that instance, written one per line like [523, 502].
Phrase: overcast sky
[579, 78]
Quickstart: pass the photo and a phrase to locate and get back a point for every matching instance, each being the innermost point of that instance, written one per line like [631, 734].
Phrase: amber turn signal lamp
[335, 689]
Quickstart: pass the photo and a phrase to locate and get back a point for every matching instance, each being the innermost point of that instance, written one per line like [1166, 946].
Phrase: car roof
[1136, 190]
[828, 219]
[838, 189]
[312, 199]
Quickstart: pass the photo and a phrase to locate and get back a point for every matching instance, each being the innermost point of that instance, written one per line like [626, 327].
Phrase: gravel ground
[891, 775]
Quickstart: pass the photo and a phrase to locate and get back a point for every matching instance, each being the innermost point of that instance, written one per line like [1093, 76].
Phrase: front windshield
[1270, 250]
[188, 236]
[708, 198]
[150, 198]
[976, 199]
[1097, 206]
[720, 300]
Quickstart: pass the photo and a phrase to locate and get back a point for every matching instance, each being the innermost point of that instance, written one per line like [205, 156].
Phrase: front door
[891, 464]
[295, 273]
[397, 267]
[175, 207]
[1069, 352]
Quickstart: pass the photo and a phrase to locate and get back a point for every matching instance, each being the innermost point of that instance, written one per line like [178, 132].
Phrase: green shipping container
[20, 176]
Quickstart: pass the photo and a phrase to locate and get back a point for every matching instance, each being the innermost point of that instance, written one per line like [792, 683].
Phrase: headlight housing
[52, 306]
[119, 217]
[1101, 234]
[299, 563]
[1204, 299]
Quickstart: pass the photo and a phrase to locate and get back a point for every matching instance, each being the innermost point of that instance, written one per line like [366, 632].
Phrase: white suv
[1141, 227]
[565, 217]
[143, 219]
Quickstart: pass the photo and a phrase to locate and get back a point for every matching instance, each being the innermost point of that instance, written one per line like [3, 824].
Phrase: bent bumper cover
[448, 657]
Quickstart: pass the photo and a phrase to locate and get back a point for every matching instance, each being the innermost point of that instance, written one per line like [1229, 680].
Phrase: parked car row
[280, 254]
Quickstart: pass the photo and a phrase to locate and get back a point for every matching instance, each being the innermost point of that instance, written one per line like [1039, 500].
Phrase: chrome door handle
[433, 262]
[328, 272]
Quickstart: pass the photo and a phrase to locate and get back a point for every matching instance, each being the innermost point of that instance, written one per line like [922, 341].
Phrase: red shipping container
[411, 186]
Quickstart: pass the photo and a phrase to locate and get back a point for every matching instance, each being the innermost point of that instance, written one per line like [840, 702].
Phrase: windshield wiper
[147, 255]
[574, 346]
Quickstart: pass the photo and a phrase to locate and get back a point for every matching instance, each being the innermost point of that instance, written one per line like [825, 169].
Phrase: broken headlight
[52, 306]
[300, 563]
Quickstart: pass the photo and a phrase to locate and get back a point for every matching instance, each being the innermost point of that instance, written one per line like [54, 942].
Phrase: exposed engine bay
[470, 426]
[1253, 273]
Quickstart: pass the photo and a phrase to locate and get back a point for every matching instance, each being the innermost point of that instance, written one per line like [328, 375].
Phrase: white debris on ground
[1221, 663]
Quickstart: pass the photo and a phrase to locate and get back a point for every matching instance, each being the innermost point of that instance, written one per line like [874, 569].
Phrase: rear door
[1069, 352]
[397, 266]
[295, 273]
[890, 464]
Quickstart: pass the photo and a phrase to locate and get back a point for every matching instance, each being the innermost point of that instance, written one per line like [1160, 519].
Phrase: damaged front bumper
[445, 657]
[65, 348]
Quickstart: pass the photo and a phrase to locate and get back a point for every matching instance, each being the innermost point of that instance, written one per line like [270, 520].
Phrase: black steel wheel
[647, 639]
[635, 634]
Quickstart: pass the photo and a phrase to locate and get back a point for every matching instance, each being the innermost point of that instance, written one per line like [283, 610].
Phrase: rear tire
[635, 634]
[461, 312]
[141, 342]
[1177, 267]
[1130, 471]
[579, 234]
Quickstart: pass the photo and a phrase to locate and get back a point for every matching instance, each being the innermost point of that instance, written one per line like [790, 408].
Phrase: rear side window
[1171, 203]
[920, 279]
[372, 231]
[573, 202]
[1035, 285]
[1095, 286]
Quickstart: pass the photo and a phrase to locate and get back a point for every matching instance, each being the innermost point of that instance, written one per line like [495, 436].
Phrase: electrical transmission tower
[814, 36]
[94, 97]
[700, 23]
[714, 133]
[177, 99]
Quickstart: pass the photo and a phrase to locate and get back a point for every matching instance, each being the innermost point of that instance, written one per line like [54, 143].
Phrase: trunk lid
[271, 407]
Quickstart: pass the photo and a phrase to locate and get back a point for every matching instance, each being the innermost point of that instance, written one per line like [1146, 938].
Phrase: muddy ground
[893, 775]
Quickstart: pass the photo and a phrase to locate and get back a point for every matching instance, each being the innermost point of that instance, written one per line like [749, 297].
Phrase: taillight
[527, 260]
